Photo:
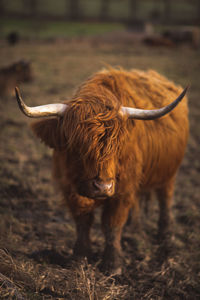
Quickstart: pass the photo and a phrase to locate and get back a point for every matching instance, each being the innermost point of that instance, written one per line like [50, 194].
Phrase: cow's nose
[103, 187]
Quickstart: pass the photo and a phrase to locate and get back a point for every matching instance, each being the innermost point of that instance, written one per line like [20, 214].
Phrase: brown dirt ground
[37, 234]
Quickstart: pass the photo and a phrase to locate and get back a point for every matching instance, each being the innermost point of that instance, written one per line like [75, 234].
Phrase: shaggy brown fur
[93, 140]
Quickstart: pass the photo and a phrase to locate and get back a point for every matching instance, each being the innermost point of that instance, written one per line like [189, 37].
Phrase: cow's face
[90, 145]
[93, 138]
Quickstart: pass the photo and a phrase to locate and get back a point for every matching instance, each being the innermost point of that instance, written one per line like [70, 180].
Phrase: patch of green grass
[48, 29]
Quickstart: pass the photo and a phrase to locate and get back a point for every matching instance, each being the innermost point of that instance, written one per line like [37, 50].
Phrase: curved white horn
[47, 110]
[145, 114]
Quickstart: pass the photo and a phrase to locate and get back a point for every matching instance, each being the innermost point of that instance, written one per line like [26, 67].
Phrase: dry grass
[80, 282]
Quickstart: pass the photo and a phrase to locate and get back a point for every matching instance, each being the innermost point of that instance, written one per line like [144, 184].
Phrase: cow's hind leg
[165, 199]
[114, 216]
[82, 247]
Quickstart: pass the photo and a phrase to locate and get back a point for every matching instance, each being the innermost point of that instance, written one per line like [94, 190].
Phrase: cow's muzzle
[97, 189]
[103, 188]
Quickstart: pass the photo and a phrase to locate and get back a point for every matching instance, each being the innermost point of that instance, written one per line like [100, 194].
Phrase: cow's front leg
[165, 198]
[115, 214]
[82, 247]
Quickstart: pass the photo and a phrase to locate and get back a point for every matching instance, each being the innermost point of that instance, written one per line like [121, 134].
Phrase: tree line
[73, 11]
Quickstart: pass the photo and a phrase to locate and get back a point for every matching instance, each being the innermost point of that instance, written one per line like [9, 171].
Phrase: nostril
[96, 185]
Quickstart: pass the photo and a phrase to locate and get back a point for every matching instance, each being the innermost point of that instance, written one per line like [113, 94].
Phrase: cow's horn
[143, 114]
[47, 110]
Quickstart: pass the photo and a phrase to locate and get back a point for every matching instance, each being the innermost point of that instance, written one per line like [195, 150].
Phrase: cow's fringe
[92, 124]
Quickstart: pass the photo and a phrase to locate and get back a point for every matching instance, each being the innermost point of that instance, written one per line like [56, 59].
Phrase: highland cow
[13, 75]
[118, 137]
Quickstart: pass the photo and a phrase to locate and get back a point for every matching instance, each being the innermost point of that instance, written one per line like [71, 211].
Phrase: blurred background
[47, 18]
[48, 48]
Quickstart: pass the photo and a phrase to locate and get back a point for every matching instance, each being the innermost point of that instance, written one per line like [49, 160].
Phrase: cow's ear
[48, 130]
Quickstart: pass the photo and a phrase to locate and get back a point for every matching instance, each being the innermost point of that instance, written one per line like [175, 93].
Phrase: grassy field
[37, 234]
[48, 29]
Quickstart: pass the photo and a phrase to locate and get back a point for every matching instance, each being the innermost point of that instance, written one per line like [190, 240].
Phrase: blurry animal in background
[13, 75]
[185, 35]
[117, 138]
[158, 41]
[13, 38]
